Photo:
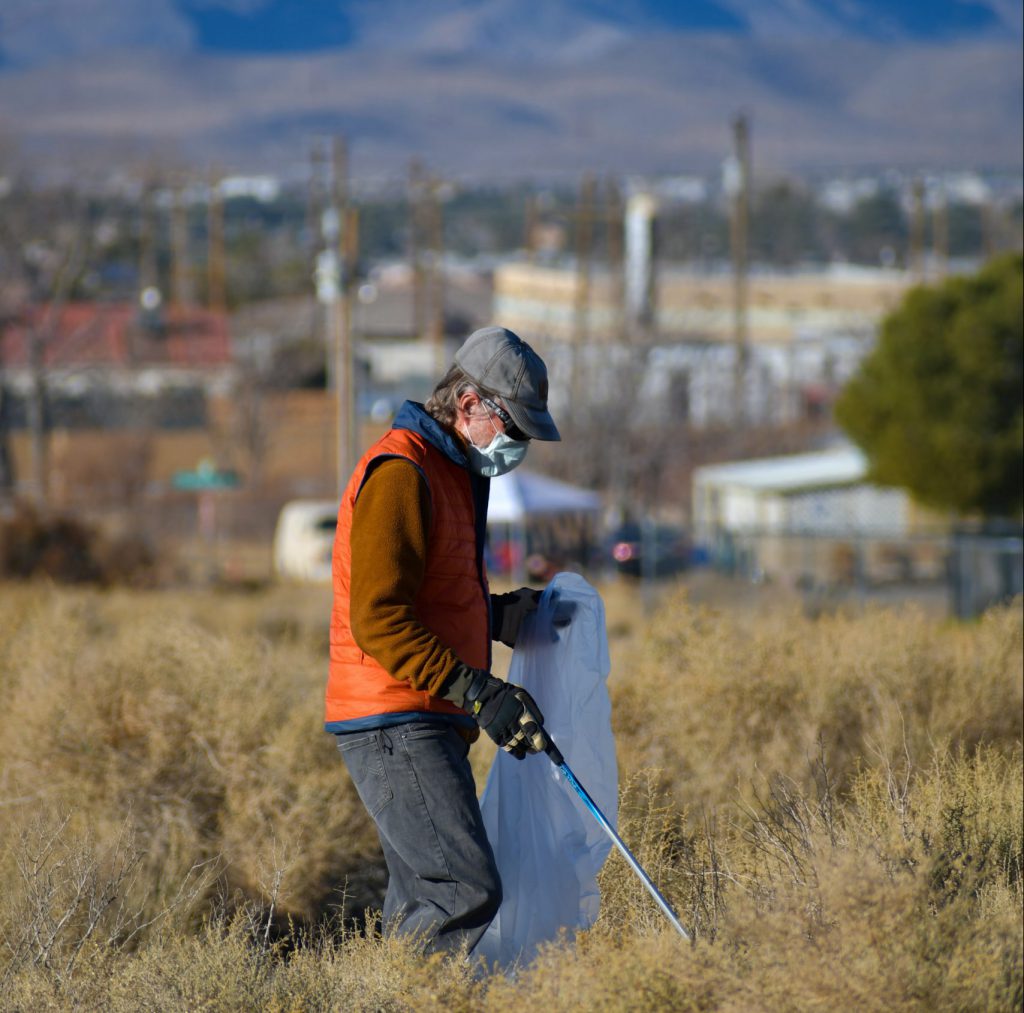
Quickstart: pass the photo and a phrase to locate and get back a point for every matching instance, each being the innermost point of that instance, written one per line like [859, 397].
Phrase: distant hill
[510, 87]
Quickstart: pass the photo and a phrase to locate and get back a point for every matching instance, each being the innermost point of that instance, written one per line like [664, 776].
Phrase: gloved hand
[508, 611]
[506, 712]
[562, 611]
[510, 716]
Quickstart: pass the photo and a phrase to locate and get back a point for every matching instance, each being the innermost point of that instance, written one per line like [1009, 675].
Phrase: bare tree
[44, 247]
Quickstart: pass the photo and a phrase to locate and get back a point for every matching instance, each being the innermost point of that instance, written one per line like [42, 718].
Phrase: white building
[813, 517]
[822, 493]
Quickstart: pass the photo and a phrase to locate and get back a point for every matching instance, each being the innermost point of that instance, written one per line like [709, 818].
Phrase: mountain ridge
[622, 96]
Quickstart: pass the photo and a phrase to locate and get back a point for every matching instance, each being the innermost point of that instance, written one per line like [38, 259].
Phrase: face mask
[499, 457]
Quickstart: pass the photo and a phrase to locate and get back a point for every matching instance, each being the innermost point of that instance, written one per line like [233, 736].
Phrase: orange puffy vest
[453, 601]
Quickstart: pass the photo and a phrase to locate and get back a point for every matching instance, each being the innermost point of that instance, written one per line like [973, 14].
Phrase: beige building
[806, 335]
[546, 302]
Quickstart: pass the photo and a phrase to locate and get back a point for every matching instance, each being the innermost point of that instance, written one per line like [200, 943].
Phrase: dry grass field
[833, 805]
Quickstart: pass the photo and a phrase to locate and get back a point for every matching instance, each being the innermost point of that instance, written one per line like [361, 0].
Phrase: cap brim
[535, 422]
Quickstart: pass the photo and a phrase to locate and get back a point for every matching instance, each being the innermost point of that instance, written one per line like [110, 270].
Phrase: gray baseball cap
[502, 364]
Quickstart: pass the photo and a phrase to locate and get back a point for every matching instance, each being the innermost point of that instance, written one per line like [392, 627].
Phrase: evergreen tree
[937, 406]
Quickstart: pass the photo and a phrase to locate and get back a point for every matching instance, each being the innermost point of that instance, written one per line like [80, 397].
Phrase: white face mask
[500, 456]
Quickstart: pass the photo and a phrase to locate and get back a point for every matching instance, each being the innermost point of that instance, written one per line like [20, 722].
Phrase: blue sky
[274, 26]
[309, 25]
[34, 32]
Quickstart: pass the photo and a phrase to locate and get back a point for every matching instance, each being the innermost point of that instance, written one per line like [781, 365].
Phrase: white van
[304, 539]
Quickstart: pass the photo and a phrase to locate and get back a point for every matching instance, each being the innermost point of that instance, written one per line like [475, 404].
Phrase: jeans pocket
[365, 761]
[447, 734]
[424, 730]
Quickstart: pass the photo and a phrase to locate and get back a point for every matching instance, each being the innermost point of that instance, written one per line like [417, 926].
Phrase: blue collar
[413, 416]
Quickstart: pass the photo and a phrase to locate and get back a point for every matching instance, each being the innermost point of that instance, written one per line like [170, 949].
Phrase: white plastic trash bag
[548, 847]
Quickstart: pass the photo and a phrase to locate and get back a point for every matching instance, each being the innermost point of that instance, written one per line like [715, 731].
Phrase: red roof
[112, 334]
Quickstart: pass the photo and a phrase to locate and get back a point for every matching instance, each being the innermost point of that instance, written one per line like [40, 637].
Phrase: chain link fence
[973, 569]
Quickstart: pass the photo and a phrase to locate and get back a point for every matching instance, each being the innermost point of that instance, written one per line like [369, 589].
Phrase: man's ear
[468, 400]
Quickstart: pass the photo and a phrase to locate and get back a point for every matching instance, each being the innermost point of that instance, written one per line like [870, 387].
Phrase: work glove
[509, 610]
[506, 712]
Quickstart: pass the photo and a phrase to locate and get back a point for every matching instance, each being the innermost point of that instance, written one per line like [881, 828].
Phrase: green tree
[937, 406]
[783, 226]
[874, 226]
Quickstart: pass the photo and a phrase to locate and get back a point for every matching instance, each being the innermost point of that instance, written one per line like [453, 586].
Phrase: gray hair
[443, 404]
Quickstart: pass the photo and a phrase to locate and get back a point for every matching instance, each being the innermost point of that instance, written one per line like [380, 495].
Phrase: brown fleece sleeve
[390, 528]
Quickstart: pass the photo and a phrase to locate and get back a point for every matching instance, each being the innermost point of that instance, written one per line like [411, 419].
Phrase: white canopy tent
[521, 496]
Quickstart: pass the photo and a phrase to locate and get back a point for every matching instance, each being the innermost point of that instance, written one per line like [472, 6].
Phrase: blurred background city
[236, 234]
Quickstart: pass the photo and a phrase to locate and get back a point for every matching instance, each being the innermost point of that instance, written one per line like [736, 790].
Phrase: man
[411, 628]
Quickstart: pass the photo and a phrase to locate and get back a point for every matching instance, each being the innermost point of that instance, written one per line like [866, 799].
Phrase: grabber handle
[553, 753]
[558, 760]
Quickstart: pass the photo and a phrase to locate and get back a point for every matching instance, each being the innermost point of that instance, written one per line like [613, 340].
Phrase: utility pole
[38, 408]
[581, 309]
[530, 229]
[7, 476]
[181, 270]
[436, 286]
[417, 188]
[148, 278]
[917, 230]
[989, 228]
[334, 270]
[348, 417]
[616, 279]
[940, 233]
[341, 372]
[315, 202]
[150, 296]
[216, 273]
[737, 186]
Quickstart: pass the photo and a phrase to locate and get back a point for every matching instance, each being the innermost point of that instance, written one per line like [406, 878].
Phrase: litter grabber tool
[559, 761]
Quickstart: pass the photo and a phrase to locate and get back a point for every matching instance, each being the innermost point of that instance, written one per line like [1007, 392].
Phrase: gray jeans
[416, 783]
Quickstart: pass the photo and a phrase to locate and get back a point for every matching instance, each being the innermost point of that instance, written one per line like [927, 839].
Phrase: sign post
[206, 482]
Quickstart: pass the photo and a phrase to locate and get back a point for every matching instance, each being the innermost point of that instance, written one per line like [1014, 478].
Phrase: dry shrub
[225, 967]
[61, 548]
[633, 972]
[961, 825]
[368, 972]
[714, 702]
[852, 836]
[124, 707]
[685, 864]
[901, 900]
[72, 901]
[66, 550]
[907, 899]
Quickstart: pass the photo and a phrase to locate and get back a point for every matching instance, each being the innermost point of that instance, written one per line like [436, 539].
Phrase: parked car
[669, 549]
[304, 540]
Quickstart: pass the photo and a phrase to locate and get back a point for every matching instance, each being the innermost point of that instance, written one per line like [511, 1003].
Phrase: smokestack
[640, 211]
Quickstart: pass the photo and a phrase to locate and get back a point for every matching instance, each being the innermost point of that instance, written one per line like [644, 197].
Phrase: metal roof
[844, 465]
[109, 334]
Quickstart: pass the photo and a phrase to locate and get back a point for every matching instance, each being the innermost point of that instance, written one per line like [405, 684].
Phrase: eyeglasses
[512, 431]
